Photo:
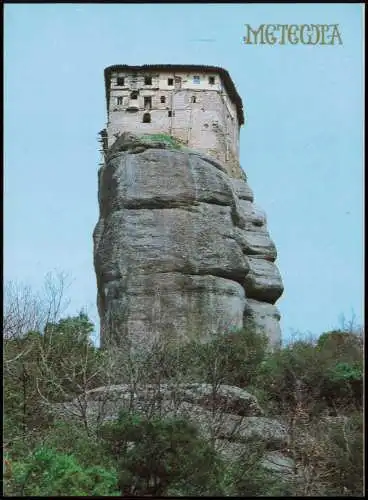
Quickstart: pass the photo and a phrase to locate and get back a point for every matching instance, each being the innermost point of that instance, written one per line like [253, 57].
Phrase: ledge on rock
[242, 189]
[263, 282]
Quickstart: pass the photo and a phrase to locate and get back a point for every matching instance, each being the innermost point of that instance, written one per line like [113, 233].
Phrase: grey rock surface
[231, 399]
[264, 317]
[180, 246]
[232, 419]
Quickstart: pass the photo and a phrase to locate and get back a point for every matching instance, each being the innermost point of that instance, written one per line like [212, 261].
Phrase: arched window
[147, 118]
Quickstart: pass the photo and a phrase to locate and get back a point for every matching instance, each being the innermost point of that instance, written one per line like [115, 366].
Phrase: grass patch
[163, 138]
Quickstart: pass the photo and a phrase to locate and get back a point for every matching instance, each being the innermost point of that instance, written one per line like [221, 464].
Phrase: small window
[194, 99]
[148, 80]
[196, 79]
[169, 114]
[170, 81]
[147, 118]
[134, 95]
[119, 101]
[211, 80]
[148, 103]
[120, 81]
[163, 99]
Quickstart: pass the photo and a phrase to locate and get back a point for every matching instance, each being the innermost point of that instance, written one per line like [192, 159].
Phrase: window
[134, 94]
[148, 80]
[170, 81]
[211, 80]
[147, 102]
[194, 99]
[146, 118]
[169, 114]
[119, 100]
[196, 79]
[163, 99]
[120, 81]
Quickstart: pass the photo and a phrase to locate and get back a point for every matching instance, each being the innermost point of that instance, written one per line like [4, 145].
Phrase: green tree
[58, 365]
[47, 472]
[156, 456]
[324, 375]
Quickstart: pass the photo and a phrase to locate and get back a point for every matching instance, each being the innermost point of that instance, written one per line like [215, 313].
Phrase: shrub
[47, 472]
[247, 476]
[313, 374]
[231, 358]
[72, 438]
[157, 455]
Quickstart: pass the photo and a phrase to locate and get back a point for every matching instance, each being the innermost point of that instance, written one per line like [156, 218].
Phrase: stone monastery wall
[193, 108]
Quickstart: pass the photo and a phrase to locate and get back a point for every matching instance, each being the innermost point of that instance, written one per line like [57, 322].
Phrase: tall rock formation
[180, 248]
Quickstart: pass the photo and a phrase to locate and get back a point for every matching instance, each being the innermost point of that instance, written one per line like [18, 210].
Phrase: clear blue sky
[302, 146]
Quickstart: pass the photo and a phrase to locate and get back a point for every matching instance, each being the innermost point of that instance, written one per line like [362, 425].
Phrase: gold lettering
[270, 38]
[302, 29]
[324, 29]
[260, 31]
[292, 37]
[307, 34]
[283, 29]
[315, 27]
[336, 33]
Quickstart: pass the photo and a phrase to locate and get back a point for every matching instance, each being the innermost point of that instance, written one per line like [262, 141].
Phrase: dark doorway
[147, 118]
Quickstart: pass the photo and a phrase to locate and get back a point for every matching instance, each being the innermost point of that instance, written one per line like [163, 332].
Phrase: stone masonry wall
[208, 125]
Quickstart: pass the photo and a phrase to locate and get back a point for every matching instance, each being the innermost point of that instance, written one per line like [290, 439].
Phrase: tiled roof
[229, 84]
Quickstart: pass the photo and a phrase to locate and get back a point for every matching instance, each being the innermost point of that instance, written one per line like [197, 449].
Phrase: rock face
[180, 248]
[232, 417]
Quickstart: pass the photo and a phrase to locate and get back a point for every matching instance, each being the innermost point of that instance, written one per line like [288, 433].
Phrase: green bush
[312, 373]
[246, 476]
[47, 472]
[165, 138]
[73, 439]
[232, 358]
[156, 455]
[341, 345]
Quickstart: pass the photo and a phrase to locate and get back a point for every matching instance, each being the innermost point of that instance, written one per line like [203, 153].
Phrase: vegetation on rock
[166, 139]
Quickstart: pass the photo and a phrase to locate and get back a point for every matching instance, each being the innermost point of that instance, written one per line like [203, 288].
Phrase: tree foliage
[316, 388]
[47, 472]
[325, 375]
[158, 455]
